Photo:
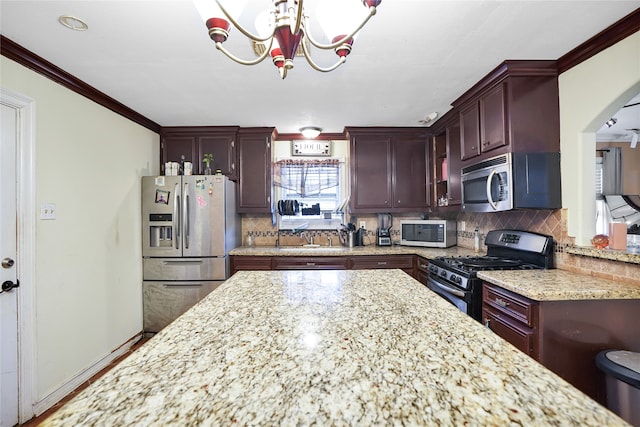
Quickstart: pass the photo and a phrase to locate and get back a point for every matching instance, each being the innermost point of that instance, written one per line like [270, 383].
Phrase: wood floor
[37, 420]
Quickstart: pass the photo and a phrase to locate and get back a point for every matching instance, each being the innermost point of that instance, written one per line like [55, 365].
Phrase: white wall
[590, 94]
[88, 298]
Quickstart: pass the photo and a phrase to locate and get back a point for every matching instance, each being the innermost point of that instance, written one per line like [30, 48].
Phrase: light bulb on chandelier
[286, 28]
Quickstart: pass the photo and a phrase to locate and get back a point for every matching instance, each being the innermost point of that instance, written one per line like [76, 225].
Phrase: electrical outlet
[48, 211]
[363, 224]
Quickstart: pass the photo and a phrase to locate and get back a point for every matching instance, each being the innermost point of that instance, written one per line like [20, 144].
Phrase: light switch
[48, 211]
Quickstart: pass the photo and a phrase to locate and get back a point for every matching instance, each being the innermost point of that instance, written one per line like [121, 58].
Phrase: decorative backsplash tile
[550, 222]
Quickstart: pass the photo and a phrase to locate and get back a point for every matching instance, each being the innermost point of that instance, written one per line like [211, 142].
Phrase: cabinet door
[493, 119]
[469, 132]
[254, 158]
[178, 148]
[249, 263]
[454, 165]
[409, 178]
[222, 147]
[371, 174]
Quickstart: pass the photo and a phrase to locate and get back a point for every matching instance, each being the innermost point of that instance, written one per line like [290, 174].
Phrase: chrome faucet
[307, 236]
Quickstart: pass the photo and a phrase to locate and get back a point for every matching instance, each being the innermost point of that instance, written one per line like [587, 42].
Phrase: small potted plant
[208, 158]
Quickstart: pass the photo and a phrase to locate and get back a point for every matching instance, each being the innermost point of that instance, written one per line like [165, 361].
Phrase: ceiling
[413, 58]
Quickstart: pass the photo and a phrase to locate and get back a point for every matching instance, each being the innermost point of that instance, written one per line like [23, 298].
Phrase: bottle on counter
[476, 240]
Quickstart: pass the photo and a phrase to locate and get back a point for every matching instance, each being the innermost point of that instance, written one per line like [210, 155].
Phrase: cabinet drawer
[517, 334]
[309, 263]
[519, 308]
[374, 261]
[250, 263]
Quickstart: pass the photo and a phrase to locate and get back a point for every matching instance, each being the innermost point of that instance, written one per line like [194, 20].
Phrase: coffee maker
[383, 233]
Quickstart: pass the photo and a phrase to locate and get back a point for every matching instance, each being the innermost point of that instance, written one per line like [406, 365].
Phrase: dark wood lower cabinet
[250, 263]
[404, 262]
[564, 336]
[309, 263]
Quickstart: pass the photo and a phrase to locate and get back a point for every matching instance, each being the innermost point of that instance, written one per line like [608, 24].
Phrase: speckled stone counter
[344, 251]
[559, 285]
[295, 348]
[622, 256]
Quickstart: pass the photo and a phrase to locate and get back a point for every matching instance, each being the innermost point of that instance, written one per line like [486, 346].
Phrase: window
[310, 193]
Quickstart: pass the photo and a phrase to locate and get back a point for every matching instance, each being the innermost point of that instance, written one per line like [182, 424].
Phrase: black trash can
[622, 369]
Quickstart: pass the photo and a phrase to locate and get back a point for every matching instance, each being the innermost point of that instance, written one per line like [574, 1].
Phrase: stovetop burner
[472, 264]
[506, 250]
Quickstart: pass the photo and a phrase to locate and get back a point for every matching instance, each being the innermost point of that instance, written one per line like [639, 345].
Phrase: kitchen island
[351, 347]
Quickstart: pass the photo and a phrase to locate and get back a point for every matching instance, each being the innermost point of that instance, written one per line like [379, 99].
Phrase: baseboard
[63, 391]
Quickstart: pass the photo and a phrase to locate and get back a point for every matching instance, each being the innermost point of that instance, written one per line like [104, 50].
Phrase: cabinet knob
[398, 201]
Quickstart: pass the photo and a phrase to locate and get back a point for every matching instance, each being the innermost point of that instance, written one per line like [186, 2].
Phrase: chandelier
[282, 29]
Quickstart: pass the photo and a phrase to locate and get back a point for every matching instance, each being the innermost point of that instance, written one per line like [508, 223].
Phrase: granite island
[350, 347]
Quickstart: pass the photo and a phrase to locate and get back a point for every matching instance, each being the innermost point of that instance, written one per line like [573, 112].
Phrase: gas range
[455, 278]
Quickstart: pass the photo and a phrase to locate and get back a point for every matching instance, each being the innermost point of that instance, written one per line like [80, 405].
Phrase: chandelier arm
[241, 28]
[316, 67]
[298, 18]
[307, 34]
[258, 60]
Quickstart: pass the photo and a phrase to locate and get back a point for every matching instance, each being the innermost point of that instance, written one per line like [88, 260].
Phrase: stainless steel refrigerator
[189, 225]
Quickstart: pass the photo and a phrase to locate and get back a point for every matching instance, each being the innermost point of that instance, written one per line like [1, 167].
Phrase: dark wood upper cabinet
[190, 144]
[388, 170]
[515, 108]
[445, 163]
[254, 177]
[371, 173]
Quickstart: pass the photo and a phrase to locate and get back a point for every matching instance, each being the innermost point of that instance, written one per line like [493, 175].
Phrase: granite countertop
[559, 285]
[632, 257]
[355, 251]
[365, 347]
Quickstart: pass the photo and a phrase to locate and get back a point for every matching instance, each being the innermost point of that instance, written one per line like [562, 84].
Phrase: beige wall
[88, 271]
[591, 93]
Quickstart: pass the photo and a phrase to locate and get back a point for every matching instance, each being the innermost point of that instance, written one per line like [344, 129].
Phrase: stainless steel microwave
[429, 233]
[486, 186]
[512, 181]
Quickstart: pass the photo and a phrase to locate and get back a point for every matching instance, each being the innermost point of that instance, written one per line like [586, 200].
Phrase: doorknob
[7, 285]
[7, 263]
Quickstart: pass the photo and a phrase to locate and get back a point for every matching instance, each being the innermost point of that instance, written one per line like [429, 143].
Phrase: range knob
[443, 273]
[433, 269]
[455, 279]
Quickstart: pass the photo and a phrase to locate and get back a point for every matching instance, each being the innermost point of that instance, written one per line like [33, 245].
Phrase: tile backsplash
[550, 222]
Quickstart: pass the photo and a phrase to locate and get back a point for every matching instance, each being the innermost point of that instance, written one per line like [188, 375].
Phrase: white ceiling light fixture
[310, 132]
[429, 118]
[634, 137]
[612, 121]
[73, 23]
[287, 26]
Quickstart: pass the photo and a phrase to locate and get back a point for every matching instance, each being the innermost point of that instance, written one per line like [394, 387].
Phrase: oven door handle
[447, 289]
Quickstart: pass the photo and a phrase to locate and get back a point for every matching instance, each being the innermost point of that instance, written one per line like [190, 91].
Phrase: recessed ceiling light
[73, 23]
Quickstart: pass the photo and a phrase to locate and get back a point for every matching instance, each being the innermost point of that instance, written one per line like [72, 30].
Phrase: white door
[8, 269]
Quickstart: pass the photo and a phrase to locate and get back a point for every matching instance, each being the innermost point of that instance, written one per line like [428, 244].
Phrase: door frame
[26, 246]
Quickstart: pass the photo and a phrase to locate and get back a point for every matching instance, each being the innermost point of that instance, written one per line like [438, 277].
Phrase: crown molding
[30, 60]
[611, 35]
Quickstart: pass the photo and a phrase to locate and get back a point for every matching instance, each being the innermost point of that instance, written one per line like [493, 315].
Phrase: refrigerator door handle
[186, 220]
[183, 261]
[176, 215]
